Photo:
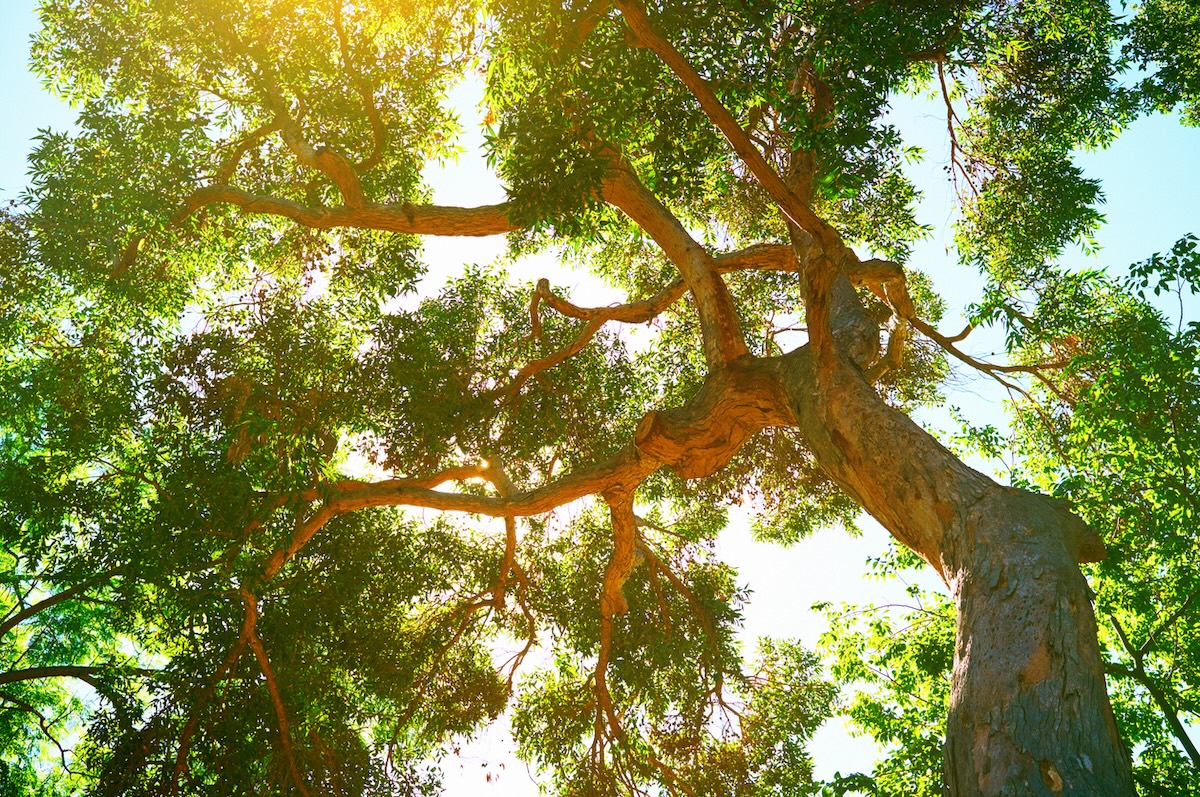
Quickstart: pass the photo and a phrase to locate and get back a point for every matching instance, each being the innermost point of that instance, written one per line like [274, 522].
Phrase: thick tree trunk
[1029, 711]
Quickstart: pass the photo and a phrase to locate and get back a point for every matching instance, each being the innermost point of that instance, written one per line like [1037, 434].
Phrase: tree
[208, 309]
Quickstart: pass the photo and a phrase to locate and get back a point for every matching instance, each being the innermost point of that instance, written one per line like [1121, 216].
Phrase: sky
[1151, 178]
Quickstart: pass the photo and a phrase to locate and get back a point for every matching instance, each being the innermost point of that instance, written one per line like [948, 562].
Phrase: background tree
[208, 309]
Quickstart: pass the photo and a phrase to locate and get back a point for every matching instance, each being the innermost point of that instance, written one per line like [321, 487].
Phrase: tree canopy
[225, 392]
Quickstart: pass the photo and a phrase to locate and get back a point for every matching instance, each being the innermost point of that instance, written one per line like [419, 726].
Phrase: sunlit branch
[378, 129]
[535, 367]
[957, 167]
[633, 313]
[694, 440]
[799, 214]
[226, 172]
[760, 257]
[323, 159]
[613, 604]
[53, 600]
[307, 528]
[991, 368]
[893, 356]
[628, 466]
[682, 588]
[281, 718]
[723, 338]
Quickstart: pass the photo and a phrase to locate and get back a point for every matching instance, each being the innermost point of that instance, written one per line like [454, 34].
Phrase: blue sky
[1151, 179]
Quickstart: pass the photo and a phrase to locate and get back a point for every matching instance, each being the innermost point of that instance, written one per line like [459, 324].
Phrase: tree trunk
[1029, 712]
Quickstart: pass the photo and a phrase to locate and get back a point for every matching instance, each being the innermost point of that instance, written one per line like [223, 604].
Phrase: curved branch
[693, 440]
[323, 159]
[723, 339]
[43, 724]
[991, 369]
[633, 313]
[759, 257]
[306, 529]
[627, 466]
[225, 173]
[613, 603]
[249, 618]
[535, 367]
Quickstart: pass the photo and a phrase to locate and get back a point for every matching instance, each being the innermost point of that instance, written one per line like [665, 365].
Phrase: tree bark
[1029, 711]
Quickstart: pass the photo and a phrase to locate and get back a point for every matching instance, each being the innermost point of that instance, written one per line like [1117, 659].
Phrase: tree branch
[306, 529]
[85, 673]
[226, 172]
[723, 339]
[990, 368]
[795, 210]
[1164, 705]
[264, 664]
[323, 159]
[1167, 622]
[957, 167]
[249, 618]
[378, 129]
[1139, 674]
[535, 367]
[53, 600]
[402, 218]
[613, 603]
[43, 724]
